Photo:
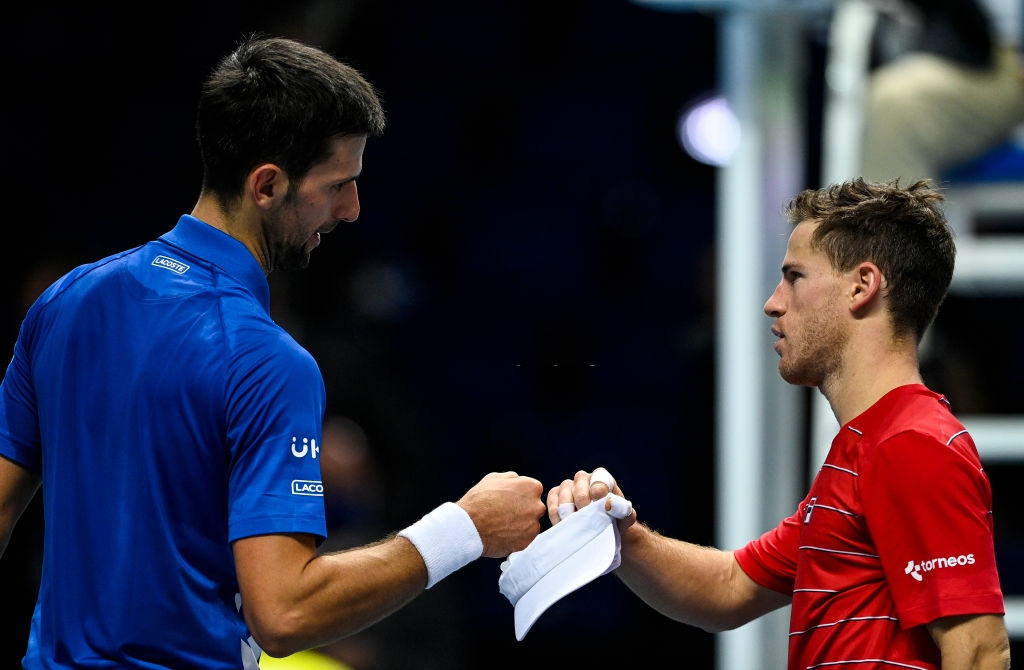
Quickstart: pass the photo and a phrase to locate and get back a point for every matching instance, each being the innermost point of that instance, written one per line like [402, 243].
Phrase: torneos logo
[915, 569]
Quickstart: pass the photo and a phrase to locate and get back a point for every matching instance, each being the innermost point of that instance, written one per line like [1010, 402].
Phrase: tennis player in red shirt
[888, 561]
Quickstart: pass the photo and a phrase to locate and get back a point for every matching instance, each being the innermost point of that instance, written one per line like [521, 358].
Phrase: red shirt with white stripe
[895, 532]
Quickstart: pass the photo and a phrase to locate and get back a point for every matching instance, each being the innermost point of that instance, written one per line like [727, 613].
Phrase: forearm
[343, 593]
[697, 585]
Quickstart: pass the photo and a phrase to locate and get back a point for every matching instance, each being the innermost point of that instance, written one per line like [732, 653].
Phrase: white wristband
[447, 539]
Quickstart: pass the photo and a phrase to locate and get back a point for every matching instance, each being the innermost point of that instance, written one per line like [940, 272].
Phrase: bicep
[17, 487]
[269, 567]
[753, 600]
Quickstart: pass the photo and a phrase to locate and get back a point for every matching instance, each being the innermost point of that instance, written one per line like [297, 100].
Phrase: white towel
[582, 547]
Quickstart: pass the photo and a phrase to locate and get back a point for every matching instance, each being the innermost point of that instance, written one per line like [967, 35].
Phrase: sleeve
[771, 559]
[928, 508]
[275, 424]
[19, 417]
[20, 434]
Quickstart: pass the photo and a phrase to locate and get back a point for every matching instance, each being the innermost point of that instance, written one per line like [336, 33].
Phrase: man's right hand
[506, 509]
[580, 491]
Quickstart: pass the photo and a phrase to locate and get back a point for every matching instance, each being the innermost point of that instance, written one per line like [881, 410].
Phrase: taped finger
[619, 507]
[602, 475]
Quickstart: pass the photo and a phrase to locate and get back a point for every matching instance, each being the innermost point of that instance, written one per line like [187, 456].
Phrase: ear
[867, 285]
[266, 185]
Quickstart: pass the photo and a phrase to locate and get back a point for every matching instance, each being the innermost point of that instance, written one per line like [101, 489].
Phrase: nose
[773, 306]
[347, 206]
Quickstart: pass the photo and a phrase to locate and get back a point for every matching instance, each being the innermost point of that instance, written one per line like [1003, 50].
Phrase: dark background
[529, 286]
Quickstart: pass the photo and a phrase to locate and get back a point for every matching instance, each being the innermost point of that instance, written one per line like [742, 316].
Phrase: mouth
[314, 239]
[328, 228]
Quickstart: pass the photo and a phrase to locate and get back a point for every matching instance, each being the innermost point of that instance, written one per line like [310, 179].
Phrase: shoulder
[912, 430]
[83, 275]
[913, 409]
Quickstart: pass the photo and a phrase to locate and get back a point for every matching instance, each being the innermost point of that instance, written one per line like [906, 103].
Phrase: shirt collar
[230, 255]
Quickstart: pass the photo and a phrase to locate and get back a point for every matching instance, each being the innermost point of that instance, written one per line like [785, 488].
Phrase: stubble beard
[292, 258]
[284, 253]
[817, 353]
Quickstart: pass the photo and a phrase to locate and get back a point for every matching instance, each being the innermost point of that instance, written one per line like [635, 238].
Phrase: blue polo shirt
[169, 416]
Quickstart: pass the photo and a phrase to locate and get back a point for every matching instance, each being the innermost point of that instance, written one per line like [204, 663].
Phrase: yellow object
[303, 660]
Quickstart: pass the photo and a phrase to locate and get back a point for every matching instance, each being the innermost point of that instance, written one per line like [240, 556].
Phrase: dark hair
[279, 101]
[902, 230]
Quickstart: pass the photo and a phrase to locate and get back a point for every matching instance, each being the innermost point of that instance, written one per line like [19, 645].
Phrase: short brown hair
[902, 230]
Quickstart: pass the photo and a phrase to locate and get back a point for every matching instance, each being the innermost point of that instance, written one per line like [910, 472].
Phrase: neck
[862, 382]
[234, 222]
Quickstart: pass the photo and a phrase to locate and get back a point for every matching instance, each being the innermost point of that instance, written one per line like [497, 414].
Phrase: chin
[299, 261]
[795, 376]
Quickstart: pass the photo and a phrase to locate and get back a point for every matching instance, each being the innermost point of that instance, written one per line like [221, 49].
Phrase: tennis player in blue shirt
[174, 427]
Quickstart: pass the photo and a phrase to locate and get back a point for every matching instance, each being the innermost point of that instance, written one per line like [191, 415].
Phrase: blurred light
[709, 131]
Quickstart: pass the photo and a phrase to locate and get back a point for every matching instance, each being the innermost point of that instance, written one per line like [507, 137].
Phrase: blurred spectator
[947, 85]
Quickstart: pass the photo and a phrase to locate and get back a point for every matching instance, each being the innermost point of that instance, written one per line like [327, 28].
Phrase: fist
[506, 509]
